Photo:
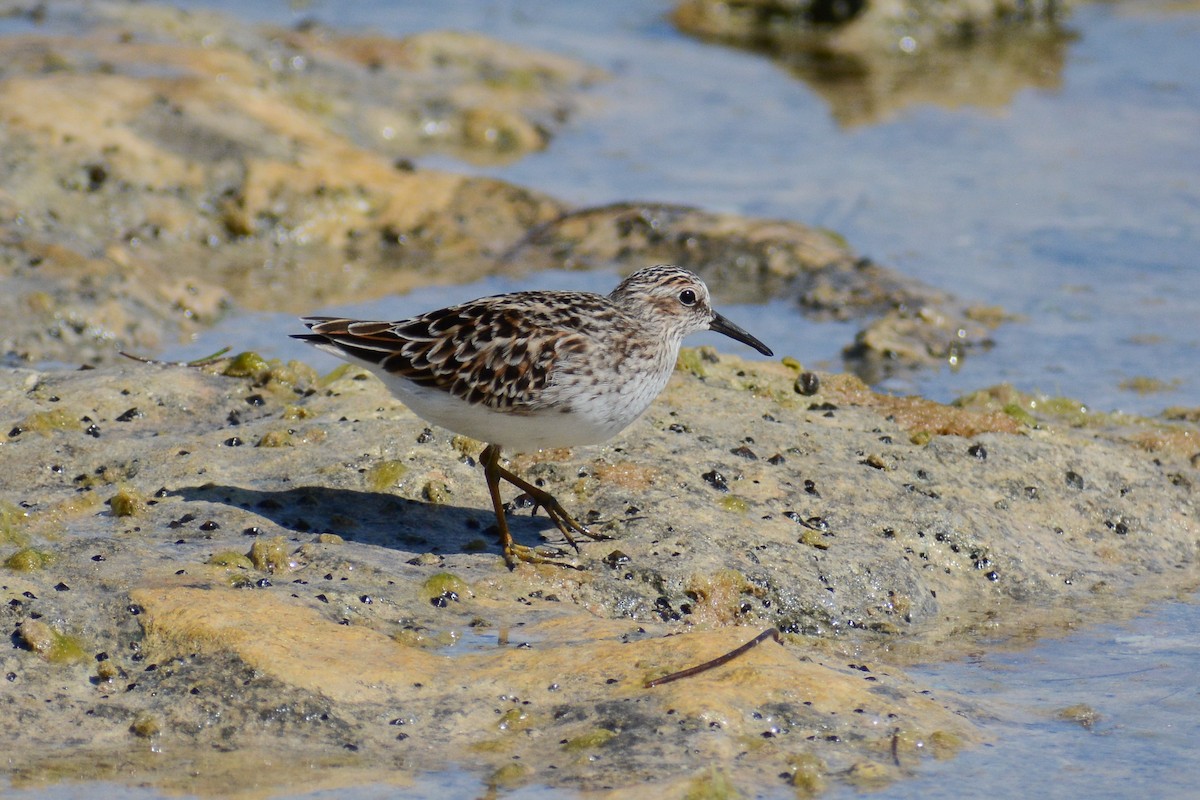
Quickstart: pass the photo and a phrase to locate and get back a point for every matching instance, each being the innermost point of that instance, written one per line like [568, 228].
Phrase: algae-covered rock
[127, 502]
[271, 555]
[29, 559]
[50, 643]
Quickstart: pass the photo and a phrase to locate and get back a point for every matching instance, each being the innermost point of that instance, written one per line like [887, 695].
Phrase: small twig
[204, 361]
[769, 633]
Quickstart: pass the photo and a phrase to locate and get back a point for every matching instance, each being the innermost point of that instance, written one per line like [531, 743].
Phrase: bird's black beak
[722, 325]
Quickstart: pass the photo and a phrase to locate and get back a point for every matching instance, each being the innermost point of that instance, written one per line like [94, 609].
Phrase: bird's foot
[515, 553]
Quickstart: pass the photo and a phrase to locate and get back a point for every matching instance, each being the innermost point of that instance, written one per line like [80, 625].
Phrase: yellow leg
[514, 552]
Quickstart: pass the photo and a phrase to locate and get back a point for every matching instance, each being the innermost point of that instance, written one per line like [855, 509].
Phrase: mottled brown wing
[499, 352]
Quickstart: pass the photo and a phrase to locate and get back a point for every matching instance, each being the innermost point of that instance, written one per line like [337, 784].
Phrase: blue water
[1141, 678]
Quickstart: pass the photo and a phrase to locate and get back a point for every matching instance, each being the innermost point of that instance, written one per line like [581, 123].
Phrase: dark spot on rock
[1074, 479]
[233, 441]
[425, 437]
[977, 451]
[616, 558]
[96, 176]
[807, 384]
[716, 480]
[993, 576]
[209, 525]
[93, 431]
[256, 400]
[776, 460]
[676, 427]
[61, 587]
[323, 598]
[129, 415]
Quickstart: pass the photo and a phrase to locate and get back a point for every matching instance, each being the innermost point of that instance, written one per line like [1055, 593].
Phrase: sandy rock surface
[204, 570]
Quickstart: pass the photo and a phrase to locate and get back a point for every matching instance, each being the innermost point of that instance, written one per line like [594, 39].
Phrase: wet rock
[413, 614]
[869, 60]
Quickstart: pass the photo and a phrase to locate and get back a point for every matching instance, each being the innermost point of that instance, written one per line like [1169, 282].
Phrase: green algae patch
[127, 503]
[1081, 714]
[1142, 384]
[920, 438]
[869, 776]
[444, 585]
[247, 364]
[712, 785]
[50, 644]
[807, 774]
[466, 446]
[813, 538]
[509, 776]
[731, 502]
[271, 555]
[945, 744]
[276, 439]
[589, 740]
[231, 559]
[436, 492]
[14, 523]
[515, 719]
[295, 412]
[385, 475]
[1018, 413]
[273, 374]
[691, 360]
[792, 364]
[56, 419]
[145, 726]
[1029, 409]
[29, 559]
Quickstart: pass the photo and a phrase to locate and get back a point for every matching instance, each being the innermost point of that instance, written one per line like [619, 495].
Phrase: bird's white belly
[586, 421]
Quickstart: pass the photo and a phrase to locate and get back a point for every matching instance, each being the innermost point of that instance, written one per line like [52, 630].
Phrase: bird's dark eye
[687, 297]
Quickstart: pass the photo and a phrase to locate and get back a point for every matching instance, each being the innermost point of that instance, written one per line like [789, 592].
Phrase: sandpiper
[532, 370]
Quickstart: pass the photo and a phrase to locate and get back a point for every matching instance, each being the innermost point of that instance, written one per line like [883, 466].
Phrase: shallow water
[1140, 678]
[1074, 205]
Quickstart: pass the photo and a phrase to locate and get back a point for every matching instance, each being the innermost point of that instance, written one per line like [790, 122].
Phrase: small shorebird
[531, 370]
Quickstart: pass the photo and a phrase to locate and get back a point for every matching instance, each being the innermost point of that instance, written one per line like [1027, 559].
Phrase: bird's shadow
[370, 517]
